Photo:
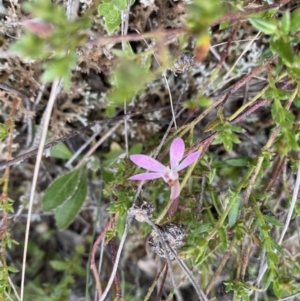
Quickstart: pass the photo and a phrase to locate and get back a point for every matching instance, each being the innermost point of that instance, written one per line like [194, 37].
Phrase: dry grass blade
[48, 111]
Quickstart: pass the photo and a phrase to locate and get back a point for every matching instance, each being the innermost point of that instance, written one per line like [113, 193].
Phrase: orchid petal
[173, 175]
[147, 163]
[175, 191]
[146, 176]
[176, 152]
[188, 160]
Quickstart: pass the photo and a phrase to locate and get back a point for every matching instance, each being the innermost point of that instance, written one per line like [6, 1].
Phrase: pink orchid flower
[168, 173]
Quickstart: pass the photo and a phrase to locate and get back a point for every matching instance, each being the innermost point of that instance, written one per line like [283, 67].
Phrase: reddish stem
[117, 280]
[94, 249]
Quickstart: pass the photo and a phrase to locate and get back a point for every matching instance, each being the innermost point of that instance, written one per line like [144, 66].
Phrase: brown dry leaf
[202, 48]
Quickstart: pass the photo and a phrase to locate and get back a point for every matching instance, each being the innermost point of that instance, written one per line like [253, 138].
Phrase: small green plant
[66, 195]
[53, 39]
[111, 10]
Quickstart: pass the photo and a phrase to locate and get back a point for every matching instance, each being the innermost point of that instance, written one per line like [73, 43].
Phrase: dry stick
[229, 42]
[115, 267]
[184, 278]
[220, 267]
[113, 259]
[218, 57]
[239, 15]
[242, 54]
[200, 202]
[245, 261]
[33, 152]
[81, 149]
[151, 288]
[102, 41]
[14, 288]
[160, 291]
[96, 145]
[222, 99]
[94, 249]
[48, 111]
[276, 173]
[100, 263]
[167, 85]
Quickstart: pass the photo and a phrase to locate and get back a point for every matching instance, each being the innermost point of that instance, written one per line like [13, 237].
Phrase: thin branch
[242, 54]
[163, 34]
[160, 290]
[96, 145]
[220, 267]
[238, 15]
[116, 264]
[113, 259]
[81, 149]
[51, 144]
[151, 288]
[94, 249]
[48, 111]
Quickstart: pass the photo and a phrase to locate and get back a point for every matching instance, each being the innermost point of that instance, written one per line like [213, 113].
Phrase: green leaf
[200, 14]
[224, 25]
[283, 47]
[111, 27]
[136, 149]
[234, 212]
[295, 20]
[59, 67]
[204, 228]
[277, 111]
[120, 4]
[109, 12]
[272, 220]
[61, 151]
[12, 269]
[238, 162]
[61, 189]
[264, 26]
[128, 79]
[66, 213]
[59, 265]
[224, 238]
[273, 257]
[286, 22]
[276, 246]
[227, 142]
[107, 176]
[3, 131]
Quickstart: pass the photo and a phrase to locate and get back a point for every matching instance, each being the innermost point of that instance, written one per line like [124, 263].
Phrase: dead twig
[48, 111]
[239, 15]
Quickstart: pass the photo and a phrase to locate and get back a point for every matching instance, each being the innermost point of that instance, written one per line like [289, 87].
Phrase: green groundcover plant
[223, 224]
